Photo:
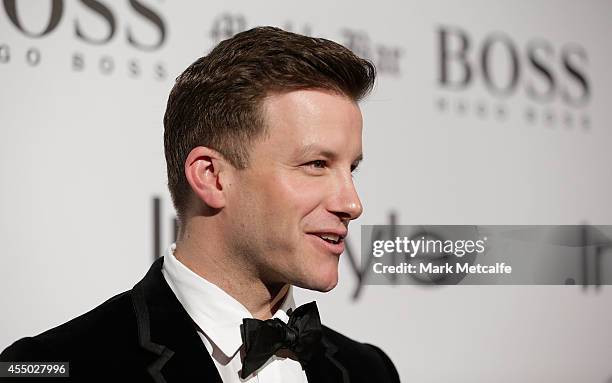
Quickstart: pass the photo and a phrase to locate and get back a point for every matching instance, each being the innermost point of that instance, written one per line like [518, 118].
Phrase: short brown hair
[216, 102]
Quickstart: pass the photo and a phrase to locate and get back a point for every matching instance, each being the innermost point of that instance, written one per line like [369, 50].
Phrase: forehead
[312, 120]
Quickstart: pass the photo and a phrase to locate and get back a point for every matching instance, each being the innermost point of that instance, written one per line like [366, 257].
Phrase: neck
[201, 252]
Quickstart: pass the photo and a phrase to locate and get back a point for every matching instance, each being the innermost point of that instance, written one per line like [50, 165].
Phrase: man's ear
[204, 168]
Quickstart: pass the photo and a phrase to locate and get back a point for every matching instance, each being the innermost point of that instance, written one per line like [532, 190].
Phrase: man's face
[289, 209]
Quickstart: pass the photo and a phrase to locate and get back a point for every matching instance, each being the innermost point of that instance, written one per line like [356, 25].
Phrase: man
[261, 139]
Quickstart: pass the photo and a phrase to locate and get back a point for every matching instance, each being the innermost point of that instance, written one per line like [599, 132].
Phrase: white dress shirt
[219, 317]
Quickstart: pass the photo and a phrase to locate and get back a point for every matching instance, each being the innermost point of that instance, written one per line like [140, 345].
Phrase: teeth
[330, 237]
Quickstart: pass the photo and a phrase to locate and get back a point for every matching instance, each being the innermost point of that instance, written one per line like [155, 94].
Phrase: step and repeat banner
[484, 113]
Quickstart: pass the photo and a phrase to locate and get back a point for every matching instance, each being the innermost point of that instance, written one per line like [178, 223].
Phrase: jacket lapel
[166, 331]
[176, 351]
[325, 368]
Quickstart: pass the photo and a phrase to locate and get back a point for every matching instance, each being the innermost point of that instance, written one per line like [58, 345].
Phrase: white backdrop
[81, 160]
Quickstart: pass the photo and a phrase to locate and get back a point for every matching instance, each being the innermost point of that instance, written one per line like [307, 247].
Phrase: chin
[329, 287]
[320, 287]
[321, 280]
[318, 272]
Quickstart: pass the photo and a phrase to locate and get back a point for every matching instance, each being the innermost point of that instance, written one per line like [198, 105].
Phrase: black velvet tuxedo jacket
[145, 335]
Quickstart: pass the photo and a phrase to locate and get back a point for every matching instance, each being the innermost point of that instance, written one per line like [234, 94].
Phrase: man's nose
[345, 201]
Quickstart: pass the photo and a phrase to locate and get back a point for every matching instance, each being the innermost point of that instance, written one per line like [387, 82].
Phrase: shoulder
[361, 359]
[109, 326]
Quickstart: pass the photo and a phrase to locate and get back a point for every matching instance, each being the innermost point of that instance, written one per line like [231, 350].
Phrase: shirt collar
[217, 313]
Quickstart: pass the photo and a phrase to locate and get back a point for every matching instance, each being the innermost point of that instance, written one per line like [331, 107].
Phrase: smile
[328, 242]
[331, 238]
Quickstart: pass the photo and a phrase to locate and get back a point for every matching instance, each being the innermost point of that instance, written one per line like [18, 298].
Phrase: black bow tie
[262, 339]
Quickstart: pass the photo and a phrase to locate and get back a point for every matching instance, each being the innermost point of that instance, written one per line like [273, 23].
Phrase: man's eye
[319, 164]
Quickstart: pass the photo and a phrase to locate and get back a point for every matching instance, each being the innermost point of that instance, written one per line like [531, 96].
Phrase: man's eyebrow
[311, 149]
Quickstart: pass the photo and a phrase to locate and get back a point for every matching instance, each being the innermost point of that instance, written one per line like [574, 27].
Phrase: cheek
[296, 196]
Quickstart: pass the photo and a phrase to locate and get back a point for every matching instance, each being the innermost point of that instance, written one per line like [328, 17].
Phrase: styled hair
[217, 101]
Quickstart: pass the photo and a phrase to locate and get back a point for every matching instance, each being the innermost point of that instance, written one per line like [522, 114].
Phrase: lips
[329, 241]
[331, 238]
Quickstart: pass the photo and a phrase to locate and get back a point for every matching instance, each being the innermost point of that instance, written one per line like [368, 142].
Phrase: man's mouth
[330, 241]
[331, 238]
